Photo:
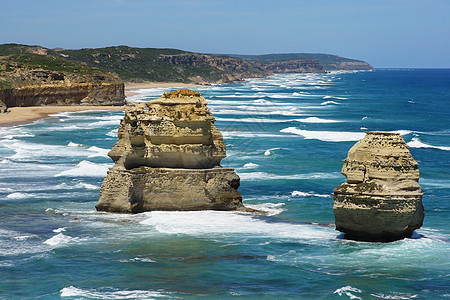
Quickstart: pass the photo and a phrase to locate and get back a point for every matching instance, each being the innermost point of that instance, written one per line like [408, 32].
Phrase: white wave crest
[233, 134]
[250, 166]
[334, 97]
[58, 239]
[110, 294]
[269, 151]
[86, 169]
[348, 290]
[271, 209]
[97, 151]
[308, 194]
[329, 102]
[316, 120]
[71, 144]
[18, 195]
[417, 143]
[232, 223]
[113, 133]
[327, 136]
[254, 176]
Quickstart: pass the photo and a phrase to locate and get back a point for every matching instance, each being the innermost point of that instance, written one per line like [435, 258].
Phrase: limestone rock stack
[168, 158]
[382, 199]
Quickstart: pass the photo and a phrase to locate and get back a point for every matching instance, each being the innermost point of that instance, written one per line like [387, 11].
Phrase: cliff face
[294, 66]
[34, 78]
[382, 199]
[327, 62]
[168, 158]
[65, 94]
[350, 65]
[203, 68]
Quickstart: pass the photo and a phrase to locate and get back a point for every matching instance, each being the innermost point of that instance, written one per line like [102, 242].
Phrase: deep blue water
[286, 135]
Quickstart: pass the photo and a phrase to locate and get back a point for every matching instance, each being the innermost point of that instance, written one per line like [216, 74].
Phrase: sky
[385, 33]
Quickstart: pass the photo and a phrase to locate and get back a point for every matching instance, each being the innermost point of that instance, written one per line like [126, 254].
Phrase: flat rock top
[380, 145]
[182, 96]
[182, 93]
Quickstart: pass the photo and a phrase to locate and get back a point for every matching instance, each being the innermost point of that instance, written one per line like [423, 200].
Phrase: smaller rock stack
[168, 158]
[382, 199]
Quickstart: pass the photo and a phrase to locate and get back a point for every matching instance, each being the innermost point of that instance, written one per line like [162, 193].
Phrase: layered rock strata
[87, 93]
[168, 158]
[382, 199]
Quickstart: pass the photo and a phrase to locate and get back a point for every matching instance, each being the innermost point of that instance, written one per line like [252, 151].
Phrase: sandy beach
[26, 115]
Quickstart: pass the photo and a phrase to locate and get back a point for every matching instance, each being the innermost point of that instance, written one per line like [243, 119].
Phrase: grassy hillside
[159, 65]
[20, 65]
[150, 64]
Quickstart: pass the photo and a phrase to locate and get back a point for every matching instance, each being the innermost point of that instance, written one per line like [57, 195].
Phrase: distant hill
[327, 61]
[164, 65]
[160, 65]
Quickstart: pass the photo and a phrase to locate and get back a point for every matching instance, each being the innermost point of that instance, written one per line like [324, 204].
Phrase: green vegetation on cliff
[21, 65]
[160, 65]
[163, 65]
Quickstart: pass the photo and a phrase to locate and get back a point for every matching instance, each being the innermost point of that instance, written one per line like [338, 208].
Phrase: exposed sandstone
[24, 85]
[3, 107]
[168, 158]
[382, 199]
[87, 93]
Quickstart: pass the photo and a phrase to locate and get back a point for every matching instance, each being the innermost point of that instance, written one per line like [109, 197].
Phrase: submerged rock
[168, 158]
[382, 199]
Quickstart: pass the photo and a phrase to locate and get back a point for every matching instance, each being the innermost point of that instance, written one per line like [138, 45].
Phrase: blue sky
[385, 33]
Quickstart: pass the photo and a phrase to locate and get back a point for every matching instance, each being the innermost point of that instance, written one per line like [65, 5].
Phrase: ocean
[286, 136]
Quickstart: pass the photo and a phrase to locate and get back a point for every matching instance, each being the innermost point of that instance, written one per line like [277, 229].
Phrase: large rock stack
[168, 158]
[382, 199]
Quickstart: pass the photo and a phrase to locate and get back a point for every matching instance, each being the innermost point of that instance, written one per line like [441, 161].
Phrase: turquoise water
[286, 135]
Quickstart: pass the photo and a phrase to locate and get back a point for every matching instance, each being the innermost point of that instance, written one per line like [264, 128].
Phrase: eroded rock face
[65, 94]
[168, 158]
[382, 199]
[3, 107]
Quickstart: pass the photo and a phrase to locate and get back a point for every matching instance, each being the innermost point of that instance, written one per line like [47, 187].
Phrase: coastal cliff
[132, 64]
[29, 76]
[168, 158]
[382, 199]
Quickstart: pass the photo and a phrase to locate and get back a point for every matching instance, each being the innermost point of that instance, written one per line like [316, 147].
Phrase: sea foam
[109, 293]
[417, 143]
[256, 176]
[327, 136]
[86, 169]
[316, 120]
[58, 239]
[308, 194]
[198, 223]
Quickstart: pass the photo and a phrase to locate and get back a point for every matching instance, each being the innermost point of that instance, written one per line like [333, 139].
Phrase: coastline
[26, 115]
